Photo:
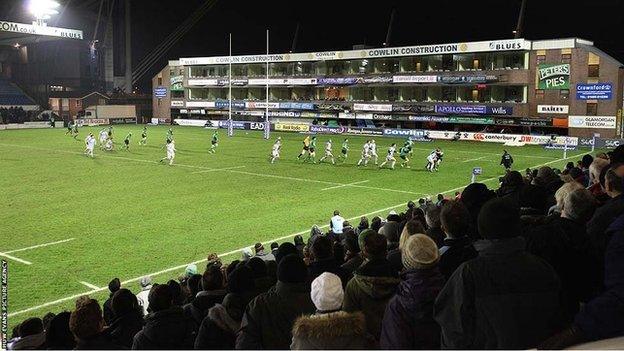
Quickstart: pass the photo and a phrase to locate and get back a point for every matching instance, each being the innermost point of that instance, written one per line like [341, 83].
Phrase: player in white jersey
[275, 152]
[373, 151]
[328, 152]
[103, 137]
[109, 144]
[390, 157]
[365, 154]
[170, 152]
[89, 145]
[431, 161]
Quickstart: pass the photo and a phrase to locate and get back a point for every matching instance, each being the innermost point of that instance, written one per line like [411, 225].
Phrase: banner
[192, 122]
[176, 83]
[601, 143]
[413, 108]
[438, 119]
[225, 104]
[327, 130]
[414, 79]
[177, 103]
[36, 29]
[332, 107]
[375, 80]
[296, 105]
[598, 91]
[292, 127]
[337, 81]
[553, 76]
[461, 109]
[92, 122]
[462, 79]
[499, 110]
[160, 92]
[405, 132]
[556, 109]
[261, 104]
[605, 122]
[471, 120]
[373, 107]
[122, 120]
[210, 104]
[535, 122]
[282, 81]
[365, 131]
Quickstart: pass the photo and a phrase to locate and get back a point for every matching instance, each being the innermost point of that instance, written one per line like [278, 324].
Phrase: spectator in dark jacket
[362, 225]
[31, 334]
[262, 280]
[268, 320]
[372, 285]
[353, 254]
[87, 325]
[193, 286]
[322, 260]
[212, 293]
[286, 249]
[434, 231]
[58, 335]
[505, 298]
[113, 286]
[166, 326]
[128, 318]
[390, 231]
[299, 244]
[329, 328]
[458, 247]
[408, 320]
[474, 197]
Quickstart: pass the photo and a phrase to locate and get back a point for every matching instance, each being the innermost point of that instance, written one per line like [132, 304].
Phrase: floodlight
[43, 9]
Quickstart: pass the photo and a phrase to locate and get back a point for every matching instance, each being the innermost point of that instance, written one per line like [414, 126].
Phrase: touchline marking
[90, 286]
[218, 169]
[40, 245]
[486, 153]
[475, 159]
[15, 258]
[61, 300]
[344, 185]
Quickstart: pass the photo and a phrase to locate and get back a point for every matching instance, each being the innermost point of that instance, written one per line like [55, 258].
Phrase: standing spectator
[58, 335]
[268, 320]
[474, 197]
[408, 321]
[353, 255]
[259, 249]
[128, 318]
[31, 334]
[212, 293]
[607, 213]
[142, 297]
[329, 328]
[505, 298]
[336, 223]
[299, 244]
[166, 327]
[372, 285]
[113, 286]
[87, 325]
[390, 231]
[434, 231]
[322, 260]
[457, 247]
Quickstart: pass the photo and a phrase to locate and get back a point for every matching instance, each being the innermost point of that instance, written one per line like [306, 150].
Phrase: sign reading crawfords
[553, 76]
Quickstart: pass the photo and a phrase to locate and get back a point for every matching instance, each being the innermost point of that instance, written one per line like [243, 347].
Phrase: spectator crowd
[536, 263]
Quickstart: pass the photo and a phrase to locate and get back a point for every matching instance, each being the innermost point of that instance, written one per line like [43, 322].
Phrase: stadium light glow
[43, 9]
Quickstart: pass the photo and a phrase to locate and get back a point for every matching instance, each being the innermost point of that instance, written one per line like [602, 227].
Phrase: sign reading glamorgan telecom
[553, 76]
[452, 48]
[35, 29]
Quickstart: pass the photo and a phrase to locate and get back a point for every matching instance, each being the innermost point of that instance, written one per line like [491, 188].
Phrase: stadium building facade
[559, 86]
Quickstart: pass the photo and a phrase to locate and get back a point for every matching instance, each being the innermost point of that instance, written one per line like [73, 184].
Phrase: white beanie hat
[327, 293]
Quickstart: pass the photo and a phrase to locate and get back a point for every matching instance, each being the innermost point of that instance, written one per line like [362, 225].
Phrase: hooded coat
[454, 252]
[198, 308]
[166, 329]
[370, 289]
[218, 330]
[123, 328]
[330, 331]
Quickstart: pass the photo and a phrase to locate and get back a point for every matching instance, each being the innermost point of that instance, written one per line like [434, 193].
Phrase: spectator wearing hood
[408, 320]
[457, 247]
[372, 285]
[58, 335]
[268, 319]
[128, 318]
[31, 335]
[87, 325]
[142, 296]
[506, 298]
[376, 223]
[322, 260]
[434, 230]
[218, 330]
[390, 231]
[166, 326]
[329, 328]
[474, 196]
[212, 293]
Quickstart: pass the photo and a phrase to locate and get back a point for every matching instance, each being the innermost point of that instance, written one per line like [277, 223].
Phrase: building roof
[75, 94]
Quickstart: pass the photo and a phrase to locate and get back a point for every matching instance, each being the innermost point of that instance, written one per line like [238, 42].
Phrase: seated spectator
[548, 179]
[274, 247]
[408, 320]
[260, 252]
[411, 227]
[595, 169]
[268, 319]
[353, 255]
[434, 231]
[176, 291]
[560, 196]
[246, 254]
[128, 318]
[146, 286]
[58, 335]
[508, 298]
[193, 286]
[457, 247]
[322, 260]
[363, 225]
[299, 244]
[474, 196]
[260, 274]
[372, 285]
[31, 335]
[376, 223]
[47, 318]
[586, 162]
[336, 223]
[212, 293]
[440, 200]
[166, 326]
[286, 249]
[87, 325]
[329, 328]
[390, 231]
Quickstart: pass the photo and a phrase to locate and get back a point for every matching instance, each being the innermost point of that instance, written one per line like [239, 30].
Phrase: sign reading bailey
[553, 76]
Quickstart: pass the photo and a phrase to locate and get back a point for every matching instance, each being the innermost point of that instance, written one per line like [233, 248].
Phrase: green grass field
[124, 215]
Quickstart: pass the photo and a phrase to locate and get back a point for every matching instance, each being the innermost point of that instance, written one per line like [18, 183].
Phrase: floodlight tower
[43, 10]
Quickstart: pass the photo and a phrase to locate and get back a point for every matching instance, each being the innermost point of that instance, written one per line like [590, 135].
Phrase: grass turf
[130, 216]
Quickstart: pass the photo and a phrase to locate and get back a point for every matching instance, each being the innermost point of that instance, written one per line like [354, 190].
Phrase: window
[541, 59]
[566, 58]
[564, 93]
[593, 70]
[539, 94]
[159, 80]
[592, 109]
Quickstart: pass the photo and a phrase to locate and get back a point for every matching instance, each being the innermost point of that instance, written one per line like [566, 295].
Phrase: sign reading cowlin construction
[553, 76]
[35, 29]
[603, 122]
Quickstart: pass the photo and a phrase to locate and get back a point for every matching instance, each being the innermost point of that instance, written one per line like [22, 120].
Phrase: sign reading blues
[461, 109]
[597, 91]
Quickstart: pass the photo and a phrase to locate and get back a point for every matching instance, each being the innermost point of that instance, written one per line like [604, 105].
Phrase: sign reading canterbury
[553, 76]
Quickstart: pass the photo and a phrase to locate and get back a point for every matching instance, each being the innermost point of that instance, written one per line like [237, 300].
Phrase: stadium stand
[11, 95]
[515, 267]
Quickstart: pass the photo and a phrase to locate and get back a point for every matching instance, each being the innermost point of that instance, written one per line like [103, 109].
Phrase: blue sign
[405, 132]
[226, 104]
[461, 109]
[337, 81]
[160, 92]
[499, 110]
[296, 105]
[598, 91]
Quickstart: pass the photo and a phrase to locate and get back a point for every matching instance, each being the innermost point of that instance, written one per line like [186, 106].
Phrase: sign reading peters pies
[556, 109]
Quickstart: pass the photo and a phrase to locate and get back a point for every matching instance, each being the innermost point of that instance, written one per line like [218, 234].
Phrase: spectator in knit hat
[268, 319]
[408, 320]
[128, 318]
[372, 285]
[547, 179]
[412, 227]
[246, 254]
[142, 296]
[87, 325]
[322, 260]
[457, 247]
[262, 280]
[329, 328]
[113, 286]
[508, 298]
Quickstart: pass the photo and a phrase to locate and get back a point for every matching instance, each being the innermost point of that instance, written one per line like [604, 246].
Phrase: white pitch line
[475, 159]
[40, 245]
[344, 185]
[486, 153]
[218, 169]
[90, 286]
[15, 258]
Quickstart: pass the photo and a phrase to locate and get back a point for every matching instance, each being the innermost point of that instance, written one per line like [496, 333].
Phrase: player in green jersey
[143, 137]
[344, 150]
[127, 141]
[214, 142]
[404, 154]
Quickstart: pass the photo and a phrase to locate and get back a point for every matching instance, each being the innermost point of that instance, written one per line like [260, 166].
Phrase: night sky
[337, 25]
